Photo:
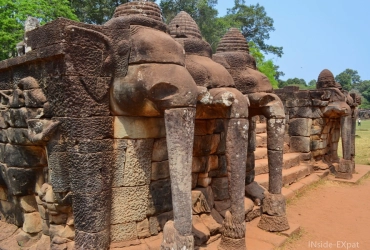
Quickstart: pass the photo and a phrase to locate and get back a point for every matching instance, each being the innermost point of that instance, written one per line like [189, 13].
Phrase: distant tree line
[349, 79]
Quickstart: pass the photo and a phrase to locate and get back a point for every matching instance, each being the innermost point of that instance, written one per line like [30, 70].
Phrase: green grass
[362, 143]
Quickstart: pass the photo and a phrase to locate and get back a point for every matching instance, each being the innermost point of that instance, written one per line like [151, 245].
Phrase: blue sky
[317, 34]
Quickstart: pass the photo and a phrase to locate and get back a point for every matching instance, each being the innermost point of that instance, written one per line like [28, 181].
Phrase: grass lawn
[362, 143]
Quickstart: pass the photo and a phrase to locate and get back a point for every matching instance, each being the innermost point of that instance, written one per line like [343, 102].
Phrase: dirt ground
[336, 216]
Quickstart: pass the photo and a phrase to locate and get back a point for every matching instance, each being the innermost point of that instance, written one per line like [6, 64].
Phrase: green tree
[266, 67]
[299, 82]
[349, 78]
[254, 24]
[96, 11]
[13, 14]
[312, 83]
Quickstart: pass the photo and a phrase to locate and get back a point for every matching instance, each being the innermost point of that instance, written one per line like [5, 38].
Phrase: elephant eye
[162, 91]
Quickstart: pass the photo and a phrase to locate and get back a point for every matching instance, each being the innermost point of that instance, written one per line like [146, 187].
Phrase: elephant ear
[90, 56]
[88, 52]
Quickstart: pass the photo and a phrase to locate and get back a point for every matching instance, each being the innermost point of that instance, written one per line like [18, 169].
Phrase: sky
[317, 35]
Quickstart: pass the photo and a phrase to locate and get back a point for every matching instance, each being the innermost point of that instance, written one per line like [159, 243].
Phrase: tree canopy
[348, 79]
[254, 24]
[301, 83]
[13, 14]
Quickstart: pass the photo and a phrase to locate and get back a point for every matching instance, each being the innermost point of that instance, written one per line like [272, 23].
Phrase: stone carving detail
[233, 53]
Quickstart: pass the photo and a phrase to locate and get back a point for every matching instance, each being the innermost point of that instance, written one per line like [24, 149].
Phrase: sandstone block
[129, 204]
[28, 203]
[199, 202]
[20, 181]
[79, 96]
[98, 240]
[199, 164]
[212, 163]
[97, 166]
[136, 169]
[25, 156]
[93, 128]
[139, 127]
[203, 181]
[208, 194]
[212, 225]
[32, 223]
[222, 168]
[300, 127]
[220, 188]
[160, 170]
[123, 232]
[200, 231]
[26, 240]
[143, 229]
[160, 150]
[300, 144]
[91, 211]
[346, 166]
[153, 225]
[59, 171]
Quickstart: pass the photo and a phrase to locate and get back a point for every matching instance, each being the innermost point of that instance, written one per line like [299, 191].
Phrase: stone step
[290, 175]
[260, 128]
[289, 160]
[261, 140]
[260, 153]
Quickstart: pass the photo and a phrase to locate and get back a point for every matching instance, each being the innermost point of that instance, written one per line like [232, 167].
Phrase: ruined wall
[314, 128]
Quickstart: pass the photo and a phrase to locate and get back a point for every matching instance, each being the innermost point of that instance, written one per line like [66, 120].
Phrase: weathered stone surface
[274, 204]
[199, 203]
[91, 211]
[222, 168]
[160, 170]
[220, 188]
[135, 169]
[98, 240]
[138, 127]
[208, 194]
[25, 156]
[160, 150]
[346, 166]
[128, 204]
[200, 231]
[28, 203]
[212, 163]
[20, 181]
[256, 212]
[32, 223]
[97, 166]
[160, 198]
[300, 144]
[143, 228]
[212, 225]
[300, 127]
[205, 145]
[179, 143]
[222, 205]
[17, 118]
[93, 128]
[199, 164]
[248, 205]
[153, 225]
[26, 240]
[123, 232]
[273, 223]
[59, 171]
